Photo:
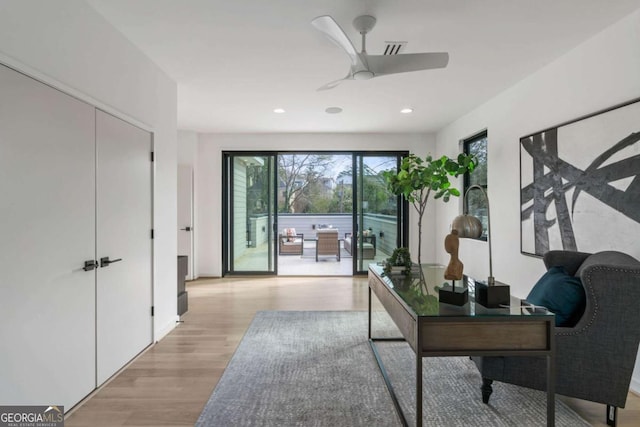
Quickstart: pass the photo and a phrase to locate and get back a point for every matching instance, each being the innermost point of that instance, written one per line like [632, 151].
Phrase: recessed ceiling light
[407, 110]
[333, 110]
[278, 110]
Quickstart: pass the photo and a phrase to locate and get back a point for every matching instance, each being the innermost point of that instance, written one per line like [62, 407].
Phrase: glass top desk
[434, 329]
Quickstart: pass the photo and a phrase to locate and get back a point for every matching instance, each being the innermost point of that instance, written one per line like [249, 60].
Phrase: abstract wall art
[580, 184]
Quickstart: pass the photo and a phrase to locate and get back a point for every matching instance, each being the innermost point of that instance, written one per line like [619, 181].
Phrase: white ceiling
[236, 60]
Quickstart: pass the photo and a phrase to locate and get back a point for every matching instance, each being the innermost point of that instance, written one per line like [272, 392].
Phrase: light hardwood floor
[169, 384]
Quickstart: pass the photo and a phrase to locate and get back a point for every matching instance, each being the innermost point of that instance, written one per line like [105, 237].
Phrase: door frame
[182, 171]
[402, 215]
[227, 217]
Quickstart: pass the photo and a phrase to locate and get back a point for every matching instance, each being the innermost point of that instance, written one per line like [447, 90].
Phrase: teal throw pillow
[561, 294]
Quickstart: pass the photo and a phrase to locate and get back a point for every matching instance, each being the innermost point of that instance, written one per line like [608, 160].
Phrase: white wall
[602, 72]
[209, 178]
[71, 47]
[187, 148]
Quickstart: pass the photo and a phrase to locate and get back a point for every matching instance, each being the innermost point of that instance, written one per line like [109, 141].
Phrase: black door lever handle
[90, 265]
[104, 262]
[187, 229]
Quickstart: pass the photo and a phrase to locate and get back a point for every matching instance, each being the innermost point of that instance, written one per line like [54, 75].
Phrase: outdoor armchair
[327, 243]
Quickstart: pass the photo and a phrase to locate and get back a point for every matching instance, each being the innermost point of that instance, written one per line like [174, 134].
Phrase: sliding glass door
[378, 213]
[266, 193]
[249, 217]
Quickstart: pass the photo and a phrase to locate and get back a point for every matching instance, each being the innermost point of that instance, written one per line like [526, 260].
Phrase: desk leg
[418, 391]
[551, 386]
[369, 313]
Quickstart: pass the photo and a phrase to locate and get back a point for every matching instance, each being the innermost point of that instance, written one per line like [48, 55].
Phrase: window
[476, 203]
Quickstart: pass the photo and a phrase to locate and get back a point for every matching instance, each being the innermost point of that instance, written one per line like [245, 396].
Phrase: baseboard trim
[635, 386]
[168, 327]
[75, 407]
[205, 276]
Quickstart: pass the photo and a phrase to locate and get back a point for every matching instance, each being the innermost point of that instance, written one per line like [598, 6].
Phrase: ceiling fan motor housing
[364, 23]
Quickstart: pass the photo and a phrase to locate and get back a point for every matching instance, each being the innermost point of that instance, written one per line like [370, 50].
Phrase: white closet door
[123, 171]
[47, 229]
[185, 216]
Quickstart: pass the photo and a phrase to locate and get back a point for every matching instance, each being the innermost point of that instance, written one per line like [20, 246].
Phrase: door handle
[104, 262]
[90, 265]
[187, 229]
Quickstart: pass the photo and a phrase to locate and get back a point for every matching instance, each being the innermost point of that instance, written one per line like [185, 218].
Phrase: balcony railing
[383, 226]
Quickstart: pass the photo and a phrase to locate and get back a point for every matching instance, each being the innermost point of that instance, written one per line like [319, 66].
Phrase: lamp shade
[468, 226]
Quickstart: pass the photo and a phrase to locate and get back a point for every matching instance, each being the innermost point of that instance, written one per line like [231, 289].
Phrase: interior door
[124, 245]
[250, 215]
[47, 211]
[185, 216]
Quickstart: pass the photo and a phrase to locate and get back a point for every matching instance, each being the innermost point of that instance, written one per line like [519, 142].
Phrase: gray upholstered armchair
[594, 358]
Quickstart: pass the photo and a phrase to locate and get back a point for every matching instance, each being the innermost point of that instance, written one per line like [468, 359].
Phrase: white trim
[168, 327]
[56, 84]
[635, 385]
[103, 385]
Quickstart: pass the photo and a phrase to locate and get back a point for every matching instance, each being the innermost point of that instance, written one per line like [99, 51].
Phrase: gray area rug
[310, 368]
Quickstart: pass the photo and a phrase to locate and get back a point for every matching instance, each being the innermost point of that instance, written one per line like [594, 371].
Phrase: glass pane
[478, 148]
[314, 193]
[476, 202]
[314, 183]
[407, 287]
[377, 211]
[252, 213]
[477, 206]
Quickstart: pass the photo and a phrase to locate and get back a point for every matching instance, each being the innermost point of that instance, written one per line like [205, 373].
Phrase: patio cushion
[290, 233]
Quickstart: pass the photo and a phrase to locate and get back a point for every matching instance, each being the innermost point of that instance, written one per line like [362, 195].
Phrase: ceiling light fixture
[279, 110]
[407, 110]
[333, 110]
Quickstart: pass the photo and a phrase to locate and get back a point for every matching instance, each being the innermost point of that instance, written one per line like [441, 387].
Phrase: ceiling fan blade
[334, 83]
[331, 29]
[381, 65]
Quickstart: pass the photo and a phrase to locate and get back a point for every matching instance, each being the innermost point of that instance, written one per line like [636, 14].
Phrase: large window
[476, 203]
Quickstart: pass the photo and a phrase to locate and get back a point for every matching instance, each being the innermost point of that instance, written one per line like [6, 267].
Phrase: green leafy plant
[417, 179]
[424, 304]
[399, 258]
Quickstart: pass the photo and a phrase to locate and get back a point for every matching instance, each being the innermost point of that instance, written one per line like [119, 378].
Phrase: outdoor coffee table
[434, 329]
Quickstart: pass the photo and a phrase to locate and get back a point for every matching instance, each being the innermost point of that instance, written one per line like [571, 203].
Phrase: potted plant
[417, 179]
[399, 261]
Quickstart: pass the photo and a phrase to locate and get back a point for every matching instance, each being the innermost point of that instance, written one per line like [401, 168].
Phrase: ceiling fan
[365, 66]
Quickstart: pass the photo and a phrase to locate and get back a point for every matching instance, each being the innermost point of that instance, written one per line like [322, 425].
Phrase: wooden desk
[434, 329]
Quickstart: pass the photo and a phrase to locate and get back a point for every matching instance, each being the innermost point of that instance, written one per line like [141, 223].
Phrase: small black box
[496, 296]
[455, 296]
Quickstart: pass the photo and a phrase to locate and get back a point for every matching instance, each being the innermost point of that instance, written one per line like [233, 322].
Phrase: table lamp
[491, 294]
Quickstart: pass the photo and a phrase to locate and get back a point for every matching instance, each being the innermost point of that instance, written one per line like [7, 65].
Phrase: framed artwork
[580, 184]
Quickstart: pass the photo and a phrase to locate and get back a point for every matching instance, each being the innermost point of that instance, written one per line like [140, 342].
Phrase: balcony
[383, 227]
